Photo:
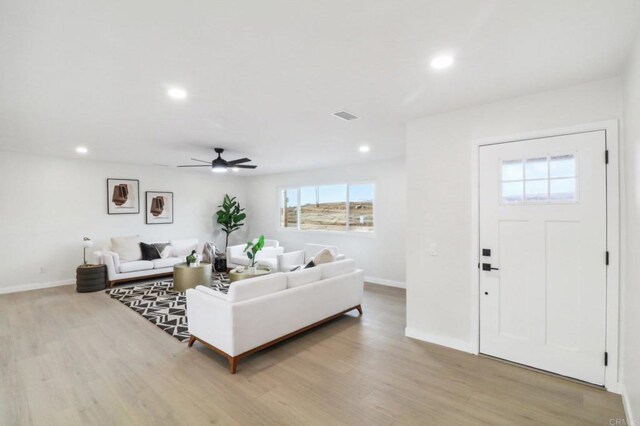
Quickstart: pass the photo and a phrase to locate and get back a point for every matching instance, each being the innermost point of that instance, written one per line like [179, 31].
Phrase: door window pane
[539, 179]
[536, 190]
[361, 207]
[536, 168]
[289, 208]
[562, 166]
[563, 189]
[324, 207]
[512, 192]
[512, 170]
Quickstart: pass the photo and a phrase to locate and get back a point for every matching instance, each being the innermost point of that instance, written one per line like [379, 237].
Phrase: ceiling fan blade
[196, 165]
[202, 161]
[245, 167]
[238, 161]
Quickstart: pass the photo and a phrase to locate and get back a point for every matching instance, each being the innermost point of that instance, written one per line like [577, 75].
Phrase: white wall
[381, 256]
[49, 204]
[439, 196]
[631, 290]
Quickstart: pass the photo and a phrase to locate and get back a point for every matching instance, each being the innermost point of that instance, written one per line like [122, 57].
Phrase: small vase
[252, 270]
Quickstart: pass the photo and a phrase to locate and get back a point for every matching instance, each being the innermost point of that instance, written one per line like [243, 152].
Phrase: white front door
[543, 231]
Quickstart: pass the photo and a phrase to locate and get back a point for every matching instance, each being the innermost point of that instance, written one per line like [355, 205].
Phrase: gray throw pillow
[160, 246]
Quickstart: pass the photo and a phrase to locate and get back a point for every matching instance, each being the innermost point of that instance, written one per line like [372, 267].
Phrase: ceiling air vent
[345, 115]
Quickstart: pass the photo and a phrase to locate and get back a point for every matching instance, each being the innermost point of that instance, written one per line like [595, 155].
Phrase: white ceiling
[264, 77]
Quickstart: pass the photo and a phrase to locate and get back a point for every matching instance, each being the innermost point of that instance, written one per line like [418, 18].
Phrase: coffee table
[185, 277]
[237, 276]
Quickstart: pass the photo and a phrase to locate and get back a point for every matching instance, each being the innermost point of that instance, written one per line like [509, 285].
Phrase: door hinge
[606, 156]
[606, 258]
[606, 359]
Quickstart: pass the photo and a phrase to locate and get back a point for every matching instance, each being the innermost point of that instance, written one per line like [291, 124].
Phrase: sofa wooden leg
[192, 340]
[359, 308]
[233, 364]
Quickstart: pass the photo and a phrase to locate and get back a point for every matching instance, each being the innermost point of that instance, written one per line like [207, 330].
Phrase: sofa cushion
[323, 256]
[136, 265]
[183, 247]
[256, 287]
[302, 277]
[128, 248]
[239, 260]
[166, 263]
[149, 251]
[340, 267]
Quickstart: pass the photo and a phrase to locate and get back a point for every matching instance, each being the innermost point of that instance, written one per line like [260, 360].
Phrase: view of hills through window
[325, 207]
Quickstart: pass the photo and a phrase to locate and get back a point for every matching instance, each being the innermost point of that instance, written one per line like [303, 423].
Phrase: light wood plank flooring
[68, 358]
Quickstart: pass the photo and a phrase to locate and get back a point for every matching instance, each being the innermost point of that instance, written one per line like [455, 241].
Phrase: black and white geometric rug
[161, 305]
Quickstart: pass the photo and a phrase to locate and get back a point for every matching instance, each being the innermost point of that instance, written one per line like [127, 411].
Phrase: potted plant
[252, 249]
[230, 216]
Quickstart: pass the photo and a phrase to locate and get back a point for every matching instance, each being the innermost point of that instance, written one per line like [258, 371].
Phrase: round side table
[185, 277]
[237, 276]
[90, 278]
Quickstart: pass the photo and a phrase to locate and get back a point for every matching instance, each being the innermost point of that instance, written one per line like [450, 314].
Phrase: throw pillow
[323, 256]
[128, 248]
[167, 252]
[160, 246]
[309, 265]
[149, 251]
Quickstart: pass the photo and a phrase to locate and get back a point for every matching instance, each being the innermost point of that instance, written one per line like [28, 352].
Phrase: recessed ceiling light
[81, 150]
[365, 148]
[441, 62]
[177, 93]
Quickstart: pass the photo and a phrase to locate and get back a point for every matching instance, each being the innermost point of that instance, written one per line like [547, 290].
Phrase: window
[289, 208]
[539, 180]
[361, 207]
[341, 208]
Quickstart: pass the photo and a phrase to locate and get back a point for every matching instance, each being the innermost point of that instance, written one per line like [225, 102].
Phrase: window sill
[332, 233]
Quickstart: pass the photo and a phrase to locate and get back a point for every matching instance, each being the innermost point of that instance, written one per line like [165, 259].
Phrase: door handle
[487, 267]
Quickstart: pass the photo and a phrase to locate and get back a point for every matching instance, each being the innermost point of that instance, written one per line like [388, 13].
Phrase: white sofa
[288, 261]
[119, 270]
[262, 311]
[267, 256]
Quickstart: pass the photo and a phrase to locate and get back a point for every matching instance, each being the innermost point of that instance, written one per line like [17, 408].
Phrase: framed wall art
[159, 207]
[123, 196]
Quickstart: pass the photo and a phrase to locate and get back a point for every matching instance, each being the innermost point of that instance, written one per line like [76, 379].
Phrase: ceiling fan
[220, 165]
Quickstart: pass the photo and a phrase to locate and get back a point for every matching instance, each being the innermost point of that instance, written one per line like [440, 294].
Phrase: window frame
[347, 231]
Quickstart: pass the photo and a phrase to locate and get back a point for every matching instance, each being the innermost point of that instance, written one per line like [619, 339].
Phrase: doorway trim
[610, 127]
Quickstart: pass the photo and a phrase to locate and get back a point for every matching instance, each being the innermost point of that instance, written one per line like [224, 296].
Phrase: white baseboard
[36, 286]
[631, 421]
[449, 342]
[383, 281]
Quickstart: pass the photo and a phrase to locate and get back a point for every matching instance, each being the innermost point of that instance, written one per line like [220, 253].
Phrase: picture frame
[123, 196]
[158, 207]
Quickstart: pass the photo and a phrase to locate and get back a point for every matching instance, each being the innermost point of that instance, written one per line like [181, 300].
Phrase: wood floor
[68, 358]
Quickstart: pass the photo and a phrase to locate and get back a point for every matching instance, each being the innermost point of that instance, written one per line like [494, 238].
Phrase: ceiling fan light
[219, 169]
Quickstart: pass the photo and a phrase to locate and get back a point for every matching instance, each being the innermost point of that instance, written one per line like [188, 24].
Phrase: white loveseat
[267, 256]
[262, 311]
[119, 270]
[288, 261]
